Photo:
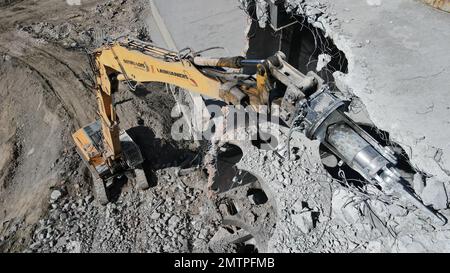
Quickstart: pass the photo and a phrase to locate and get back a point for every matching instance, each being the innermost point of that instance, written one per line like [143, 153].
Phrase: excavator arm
[119, 63]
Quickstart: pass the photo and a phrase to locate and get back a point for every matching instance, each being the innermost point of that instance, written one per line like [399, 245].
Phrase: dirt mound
[35, 129]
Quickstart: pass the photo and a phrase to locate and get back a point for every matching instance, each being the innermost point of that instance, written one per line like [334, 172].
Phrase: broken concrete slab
[304, 221]
[435, 194]
[55, 195]
[418, 183]
[351, 214]
[224, 240]
[324, 59]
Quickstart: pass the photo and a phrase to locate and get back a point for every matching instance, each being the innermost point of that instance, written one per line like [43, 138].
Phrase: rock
[434, 194]
[298, 206]
[418, 183]
[75, 229]
[173, 221]
[328, 160]
[89, 199]
[351, 214]
[80, 202]
[322, 62]
[35, 245]
[166, 248]
[304, 221]
[74, 247]
[55, 195]
[201, 235]
[63, 216]
[397, 211]
[166, 216]
[311, 11]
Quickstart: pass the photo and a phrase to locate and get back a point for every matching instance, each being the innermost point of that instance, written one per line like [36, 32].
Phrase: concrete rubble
[304, 221]
[435, 194]
[372, 57]
[419, 114]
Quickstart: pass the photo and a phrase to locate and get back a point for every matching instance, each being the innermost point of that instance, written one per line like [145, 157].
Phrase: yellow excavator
[306, 104]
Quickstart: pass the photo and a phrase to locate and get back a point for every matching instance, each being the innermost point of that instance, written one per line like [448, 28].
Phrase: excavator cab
[89, 142]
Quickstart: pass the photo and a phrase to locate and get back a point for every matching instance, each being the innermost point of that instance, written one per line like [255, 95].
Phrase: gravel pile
[171, 217]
